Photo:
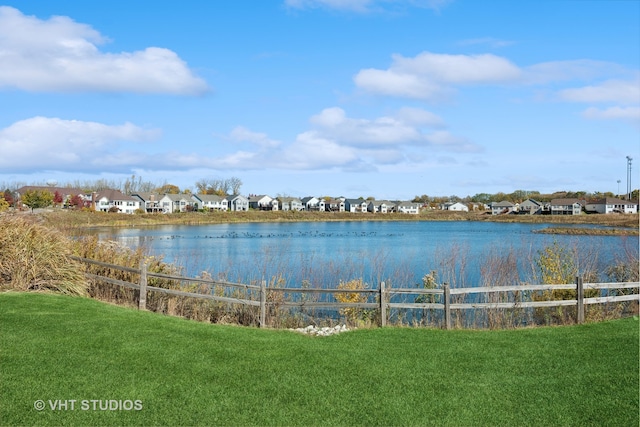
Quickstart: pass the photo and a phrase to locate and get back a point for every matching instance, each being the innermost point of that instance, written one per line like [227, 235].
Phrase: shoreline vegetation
[617, 224]
[39, 254]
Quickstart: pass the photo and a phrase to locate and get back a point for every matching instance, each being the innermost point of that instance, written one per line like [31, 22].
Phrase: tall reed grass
[36, 258]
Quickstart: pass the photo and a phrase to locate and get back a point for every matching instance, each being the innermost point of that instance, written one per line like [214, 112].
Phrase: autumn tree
[37, 199]
[4, 205]
[169, 189]
[57, 198]
[8, 197]
[76, 201]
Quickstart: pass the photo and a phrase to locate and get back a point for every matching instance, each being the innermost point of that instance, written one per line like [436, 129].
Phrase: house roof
[114, 195]
[566, 202]
[146, 196]
[209, 197]
[611, 201]
[531, 202]
[502, 204]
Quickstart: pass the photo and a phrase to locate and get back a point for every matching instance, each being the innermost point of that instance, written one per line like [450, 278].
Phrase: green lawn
[188, 373]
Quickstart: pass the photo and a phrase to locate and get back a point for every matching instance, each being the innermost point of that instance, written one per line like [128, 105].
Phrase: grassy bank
[189, 373]
[574, 231]
[81, 219]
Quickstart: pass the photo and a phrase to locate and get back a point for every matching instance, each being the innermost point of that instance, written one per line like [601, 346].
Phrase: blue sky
[382, 98]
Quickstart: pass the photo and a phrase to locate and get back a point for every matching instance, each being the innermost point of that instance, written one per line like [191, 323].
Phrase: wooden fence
[383, 296]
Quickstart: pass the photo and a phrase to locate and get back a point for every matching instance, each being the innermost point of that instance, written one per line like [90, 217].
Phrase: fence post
[580, 298]
[142, 303]
[263, 303]
[383, 306]
[447, 305]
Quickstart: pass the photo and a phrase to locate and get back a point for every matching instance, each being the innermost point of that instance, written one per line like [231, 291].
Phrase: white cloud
[56, 144]
[619, 91]
[430, 76]
[458, 69]
[337, 141]
[613, 113]
[570, 70]
[60, 55]
[242, 134]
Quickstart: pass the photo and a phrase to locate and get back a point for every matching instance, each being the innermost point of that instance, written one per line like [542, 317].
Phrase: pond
[401, 252]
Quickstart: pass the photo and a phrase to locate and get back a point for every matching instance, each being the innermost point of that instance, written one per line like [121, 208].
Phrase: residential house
[457, 206]
[611, 205]
[408, 207]
[290, 204]
[500, 208]
[566, 206]
[355, 205]
[335, 205]
[150, 202]
[263, 202]
[211, 202]
[380, 206]
[173, 203]
[310, 203]
[531, 207]
[238, 203]
[105, 200]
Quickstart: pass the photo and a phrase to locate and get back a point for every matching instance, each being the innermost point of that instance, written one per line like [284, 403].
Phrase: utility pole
[629, 177]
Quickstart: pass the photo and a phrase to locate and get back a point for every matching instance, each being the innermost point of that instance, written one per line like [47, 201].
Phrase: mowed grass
[188, 373]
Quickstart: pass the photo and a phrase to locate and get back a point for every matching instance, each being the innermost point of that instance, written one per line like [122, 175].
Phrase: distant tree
[519, 196]
[169, 189]
[37, 199]
[57, 198]
[219, 187]
[482, 198]
[234, 185]
[8, 197]
[76, 201]
[424, 199]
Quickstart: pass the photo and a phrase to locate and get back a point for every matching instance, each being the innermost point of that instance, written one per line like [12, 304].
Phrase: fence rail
[258, 295]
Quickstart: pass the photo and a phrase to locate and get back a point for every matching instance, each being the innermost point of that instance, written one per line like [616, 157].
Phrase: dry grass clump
[34, 257]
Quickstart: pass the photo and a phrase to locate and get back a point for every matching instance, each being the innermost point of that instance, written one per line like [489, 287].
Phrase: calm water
[325, 252]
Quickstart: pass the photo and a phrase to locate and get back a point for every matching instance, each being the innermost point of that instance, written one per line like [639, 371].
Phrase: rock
[322, 332]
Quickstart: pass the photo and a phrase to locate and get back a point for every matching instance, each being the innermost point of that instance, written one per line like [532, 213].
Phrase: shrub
[351, 314]
[34, 257]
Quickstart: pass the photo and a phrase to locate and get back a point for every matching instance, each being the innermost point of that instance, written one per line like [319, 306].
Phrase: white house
[149, 202]
[380, 206]
[611, 205]
[408, 208]
[503, 207]
[290, 204]
[310, 203]
[335, 205]
[172, 203]
[238, 203]
[211, 202]
[355, 205]
[566, 206]
[263, 202]
[107, 199]
[457, 206]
